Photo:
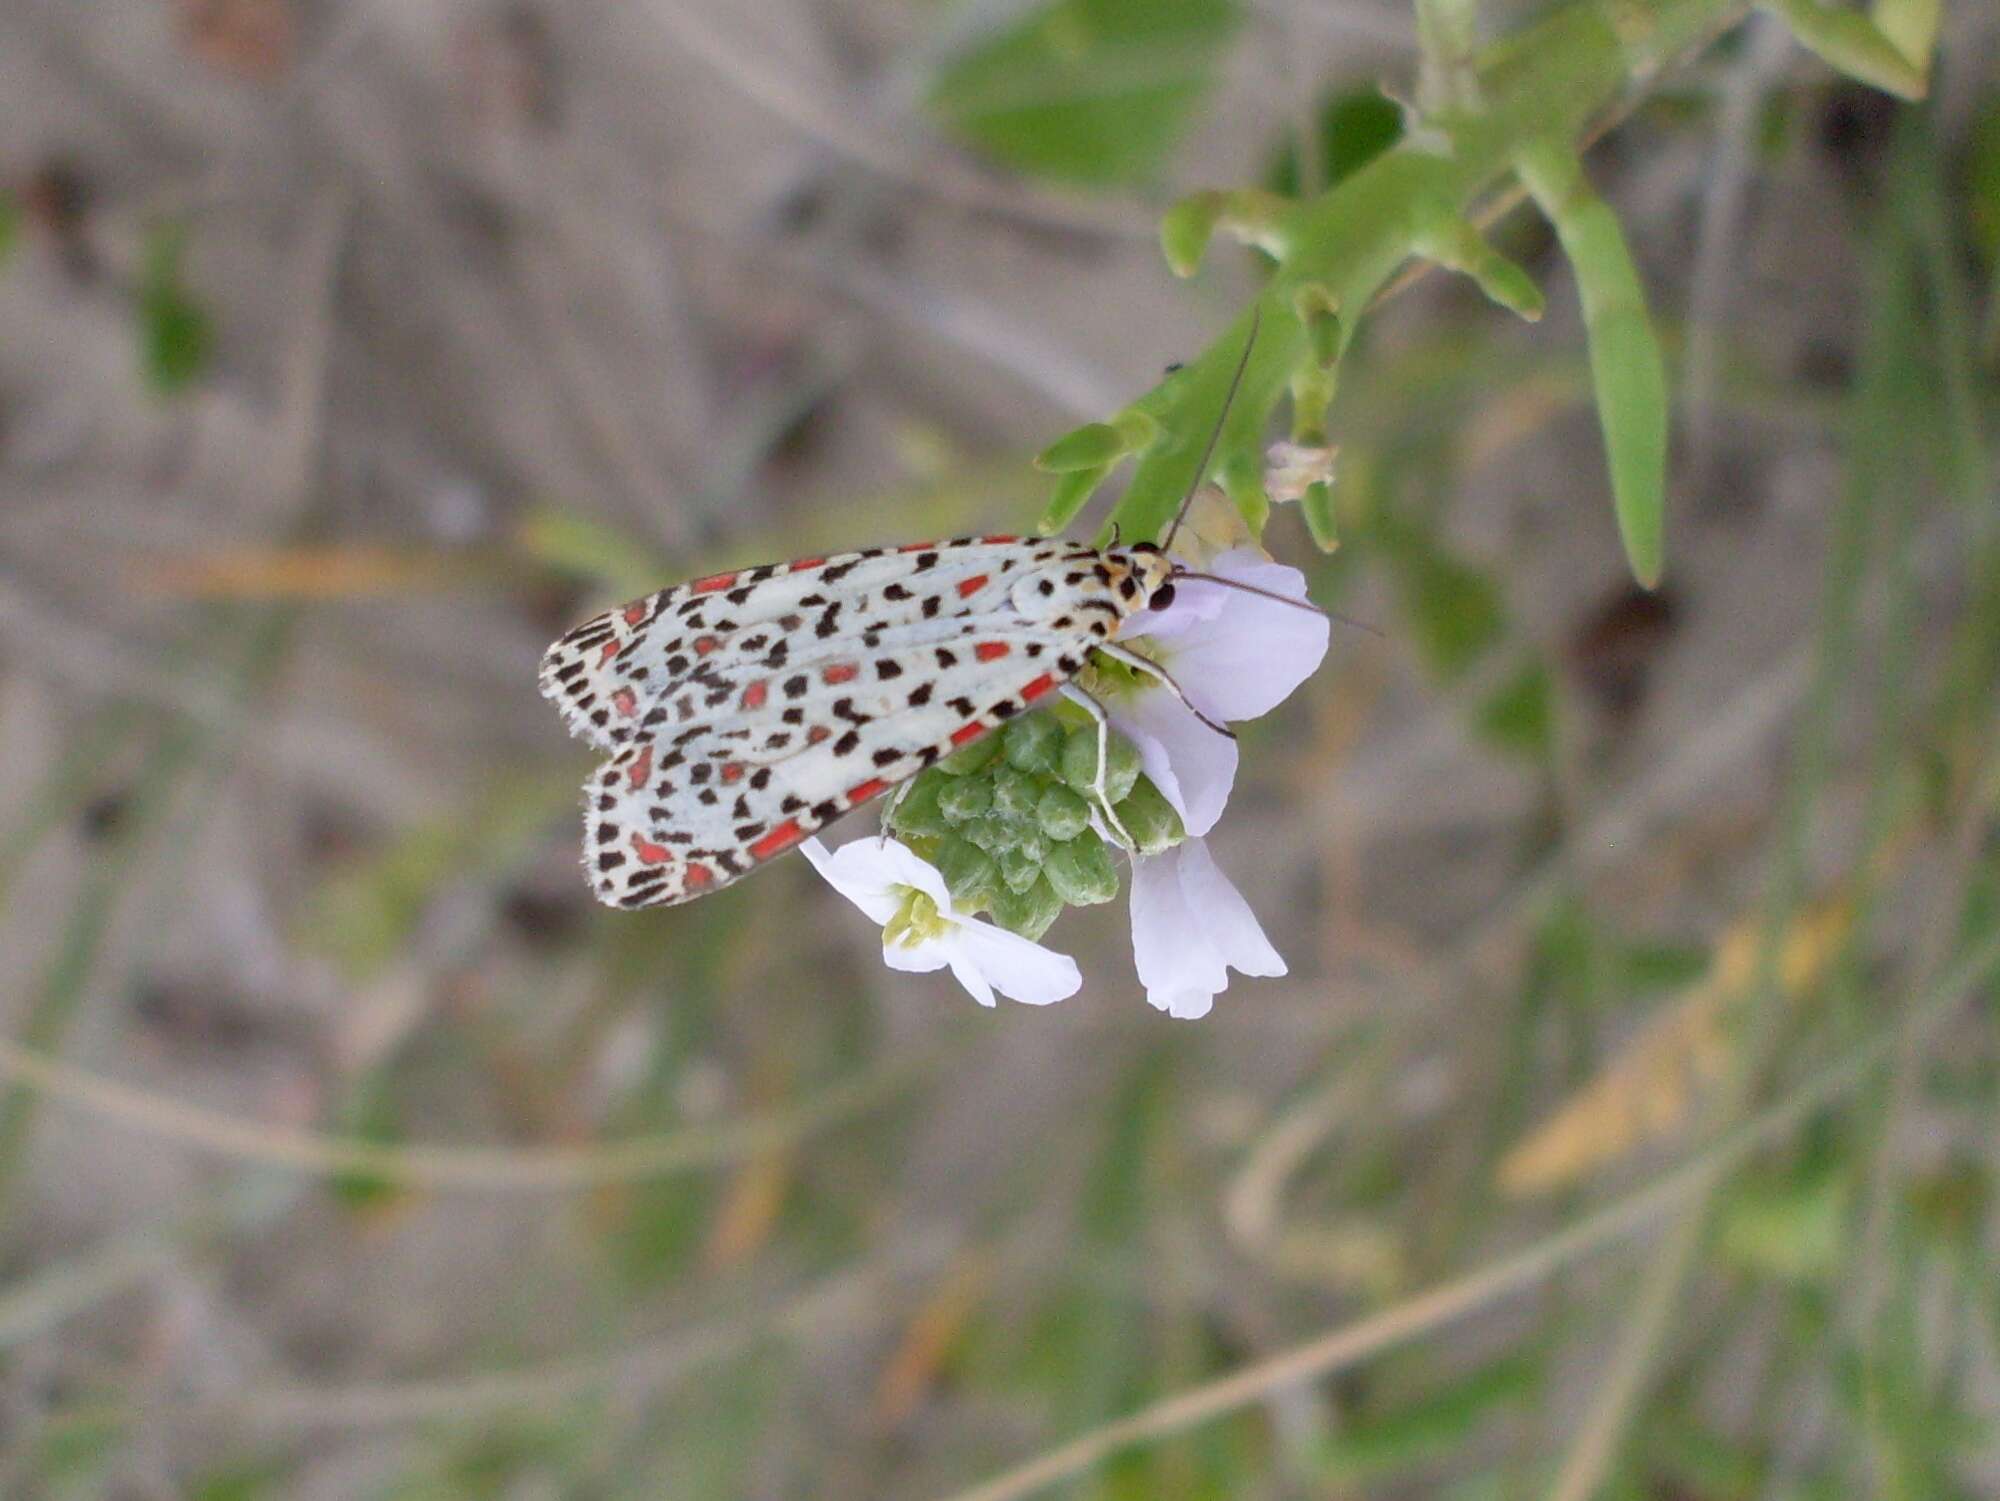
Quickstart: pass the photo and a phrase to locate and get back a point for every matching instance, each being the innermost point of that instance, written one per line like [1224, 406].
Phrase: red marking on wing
[860, 792]
[650, 853]
[997, 541]
[732, 771]
[712, 583]
[636, 611]
[916, 547]
[610, 651]
[626, 702]
[804, 563]
[971, 586]
[991, 651]
[703, 645]
[697, 875]
[970, 730]
[840, 672]
[640, 772]
[784, 836]
[1038, 687]
[755, 694]
[816, 734]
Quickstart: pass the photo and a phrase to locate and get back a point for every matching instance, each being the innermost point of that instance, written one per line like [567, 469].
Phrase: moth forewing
[747, 710]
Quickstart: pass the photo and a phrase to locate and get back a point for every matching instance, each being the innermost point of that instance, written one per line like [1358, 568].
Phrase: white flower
[922, 931]
[1190, 927]
[1235, 656]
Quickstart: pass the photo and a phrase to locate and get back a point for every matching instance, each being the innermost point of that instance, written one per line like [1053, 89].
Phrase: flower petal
[1169, 949]
[920, 959]
[966, 972]
[1247, 657]
[1231, 927]
[1192, 765]
[867, 872]
[1019, 968]
[1190, 927]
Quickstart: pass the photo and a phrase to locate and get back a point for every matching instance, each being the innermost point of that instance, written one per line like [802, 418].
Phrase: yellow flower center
[916, 922]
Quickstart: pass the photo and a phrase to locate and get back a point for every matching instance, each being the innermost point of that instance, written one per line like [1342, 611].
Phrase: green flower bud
[1029, 912]
[918, 813]
[970, 874]
[1018, 870]
[967, 759]
[962, 798]
[1033, 744]
[1062, 814]
[989, 833]
[1079, 763]
[1082, 872]
[1150, 819]
[1015, 794]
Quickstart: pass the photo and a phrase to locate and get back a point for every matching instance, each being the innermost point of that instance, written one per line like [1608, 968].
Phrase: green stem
[1546, 83]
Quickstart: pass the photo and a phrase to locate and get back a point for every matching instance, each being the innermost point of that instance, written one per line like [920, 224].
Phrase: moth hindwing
[744, 711]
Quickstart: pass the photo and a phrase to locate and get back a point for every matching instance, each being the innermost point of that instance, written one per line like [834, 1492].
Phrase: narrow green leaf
[1316, 505]
[1073, 491]
[10, 225]
[1354, 129]
[1626, 366]
[1091, 446]
[1851, 43]
[175, 333]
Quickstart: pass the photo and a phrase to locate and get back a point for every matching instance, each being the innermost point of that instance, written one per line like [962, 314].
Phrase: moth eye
[1162, 597]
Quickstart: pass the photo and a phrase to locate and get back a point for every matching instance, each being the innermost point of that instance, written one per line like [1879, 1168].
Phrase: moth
[742, 712]
[745, 711]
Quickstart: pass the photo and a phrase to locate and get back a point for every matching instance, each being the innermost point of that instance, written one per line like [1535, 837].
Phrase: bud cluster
[1008, 820]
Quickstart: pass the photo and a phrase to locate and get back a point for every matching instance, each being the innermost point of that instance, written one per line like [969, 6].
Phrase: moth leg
[895, 801]
[1159, 674]
[1096, 711]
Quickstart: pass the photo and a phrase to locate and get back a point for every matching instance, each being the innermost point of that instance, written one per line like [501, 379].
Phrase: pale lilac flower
[922, 931]
[1235, 656]
[1190, 927]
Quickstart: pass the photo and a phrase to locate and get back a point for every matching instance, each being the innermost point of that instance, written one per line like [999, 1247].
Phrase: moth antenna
[1272, 594]
[1215, 433]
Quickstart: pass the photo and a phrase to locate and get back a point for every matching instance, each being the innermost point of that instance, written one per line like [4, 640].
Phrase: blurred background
[351, 352]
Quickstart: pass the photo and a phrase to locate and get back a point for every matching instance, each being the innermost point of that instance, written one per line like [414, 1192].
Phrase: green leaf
[1626, 367]
[1454, 609]
[1851, 42]
[1091, 446]
[175, 333]
[1316, 505]
[1982, 181]
[10, 225]
[1354, 129]
[1792, 1226]
[1087, 91]
[1434, 1426]
[1519, 716]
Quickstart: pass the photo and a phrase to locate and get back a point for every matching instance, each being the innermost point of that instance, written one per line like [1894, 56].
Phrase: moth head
[1153, 571]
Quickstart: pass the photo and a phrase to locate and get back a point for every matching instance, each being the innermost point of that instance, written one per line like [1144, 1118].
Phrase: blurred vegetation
[1664, 1168]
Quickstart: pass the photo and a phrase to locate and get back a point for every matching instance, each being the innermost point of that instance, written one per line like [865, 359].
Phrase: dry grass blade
[1648, 1091]
[307, 572]
[492, 1169]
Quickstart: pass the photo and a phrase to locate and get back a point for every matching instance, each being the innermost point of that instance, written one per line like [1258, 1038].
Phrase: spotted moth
[746, 710]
